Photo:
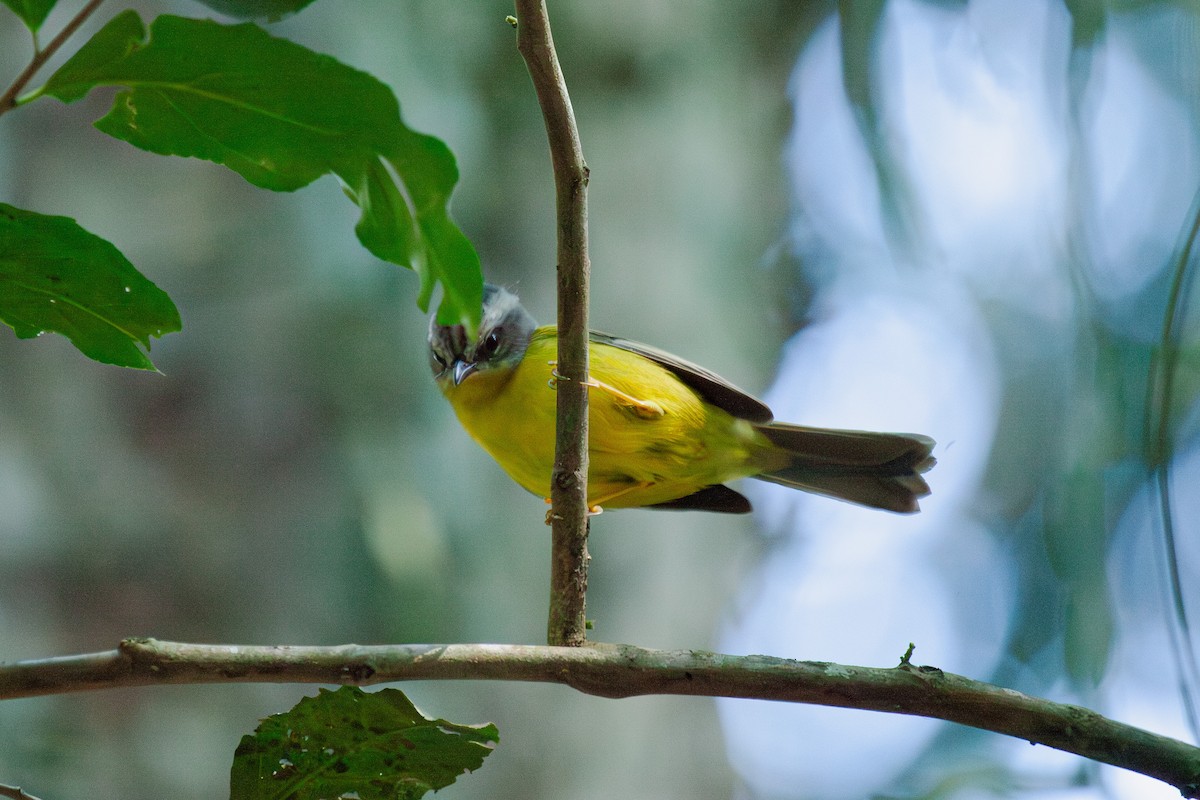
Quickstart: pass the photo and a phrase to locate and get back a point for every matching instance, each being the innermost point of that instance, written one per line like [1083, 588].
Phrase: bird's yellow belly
[635, 459]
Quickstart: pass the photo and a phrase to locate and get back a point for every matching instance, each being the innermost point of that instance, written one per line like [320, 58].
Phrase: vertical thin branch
[568, 487]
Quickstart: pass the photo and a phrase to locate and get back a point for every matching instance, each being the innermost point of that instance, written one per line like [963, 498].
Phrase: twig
[15, 792]
[626, 671]
[8, 100]
[568, 487]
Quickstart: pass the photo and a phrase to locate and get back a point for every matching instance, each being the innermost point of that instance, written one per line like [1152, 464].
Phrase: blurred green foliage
[294, 476]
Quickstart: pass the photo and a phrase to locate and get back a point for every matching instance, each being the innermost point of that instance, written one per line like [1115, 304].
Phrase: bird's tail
[881, 470]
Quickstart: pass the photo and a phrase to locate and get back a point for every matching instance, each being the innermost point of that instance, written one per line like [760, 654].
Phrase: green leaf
[282, 116]
[394, 231]
[32, 12]
[56, 276]
[257, 9]
[276, 113]
[351, 743]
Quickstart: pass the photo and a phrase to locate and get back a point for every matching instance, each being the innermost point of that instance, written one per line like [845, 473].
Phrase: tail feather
[881, 470]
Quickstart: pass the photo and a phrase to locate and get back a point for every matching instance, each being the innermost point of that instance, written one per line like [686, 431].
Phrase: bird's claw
[646, 409]
[593, 511]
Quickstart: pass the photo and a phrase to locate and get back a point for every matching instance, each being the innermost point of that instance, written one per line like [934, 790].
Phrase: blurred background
[957, 218]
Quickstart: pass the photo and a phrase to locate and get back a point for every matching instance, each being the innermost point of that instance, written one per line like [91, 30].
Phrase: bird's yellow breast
[635, 458]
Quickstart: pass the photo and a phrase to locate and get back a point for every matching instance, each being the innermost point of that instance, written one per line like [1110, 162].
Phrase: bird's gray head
[504, 333]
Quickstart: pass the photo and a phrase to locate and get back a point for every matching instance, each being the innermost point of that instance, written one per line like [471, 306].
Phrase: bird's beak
[462, 369]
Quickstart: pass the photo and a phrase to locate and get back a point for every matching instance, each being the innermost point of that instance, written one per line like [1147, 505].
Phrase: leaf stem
[568, 486]
[613, 671]
[9, 100]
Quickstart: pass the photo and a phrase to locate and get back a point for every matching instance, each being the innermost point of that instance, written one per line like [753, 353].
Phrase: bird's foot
[593, 511]
[646, 409]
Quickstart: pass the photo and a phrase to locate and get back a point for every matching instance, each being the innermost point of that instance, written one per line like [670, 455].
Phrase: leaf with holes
[56, 276]
[351, 743]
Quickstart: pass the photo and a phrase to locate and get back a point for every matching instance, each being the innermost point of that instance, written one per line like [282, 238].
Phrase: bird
[664, 433]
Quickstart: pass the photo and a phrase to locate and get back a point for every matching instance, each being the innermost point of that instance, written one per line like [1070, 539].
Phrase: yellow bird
[664, 433]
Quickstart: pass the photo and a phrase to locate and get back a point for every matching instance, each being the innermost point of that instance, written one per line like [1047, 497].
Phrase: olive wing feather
[711, 387]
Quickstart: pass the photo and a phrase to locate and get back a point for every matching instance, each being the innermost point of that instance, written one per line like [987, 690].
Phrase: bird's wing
[711, 387]
[717, 498]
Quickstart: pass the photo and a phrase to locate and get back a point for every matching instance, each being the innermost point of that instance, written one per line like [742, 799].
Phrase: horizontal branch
[625, 671]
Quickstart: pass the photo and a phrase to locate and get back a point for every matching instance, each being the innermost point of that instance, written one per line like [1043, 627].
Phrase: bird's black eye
[438, 358]
[490, 344]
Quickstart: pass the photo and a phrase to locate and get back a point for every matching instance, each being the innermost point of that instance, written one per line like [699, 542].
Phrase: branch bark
[624, 671]
[15, 793]
[568, 486]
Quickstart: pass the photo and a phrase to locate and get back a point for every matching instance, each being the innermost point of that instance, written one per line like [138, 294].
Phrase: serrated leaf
[351, 743]
[257, 9]
[282, 116]
[32, 12]
[56, 276]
